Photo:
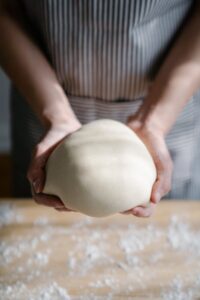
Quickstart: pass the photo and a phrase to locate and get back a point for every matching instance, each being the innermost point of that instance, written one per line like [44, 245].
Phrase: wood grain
[86, 255]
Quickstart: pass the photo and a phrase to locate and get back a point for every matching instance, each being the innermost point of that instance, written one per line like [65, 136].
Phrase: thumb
[162, 184]
[36, 174]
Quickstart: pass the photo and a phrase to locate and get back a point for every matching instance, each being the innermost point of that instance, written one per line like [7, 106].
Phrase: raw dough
[101, 169]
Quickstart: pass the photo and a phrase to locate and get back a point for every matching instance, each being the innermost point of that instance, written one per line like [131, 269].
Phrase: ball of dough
[101, 169]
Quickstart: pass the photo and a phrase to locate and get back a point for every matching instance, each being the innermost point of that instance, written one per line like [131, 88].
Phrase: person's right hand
[36, 171]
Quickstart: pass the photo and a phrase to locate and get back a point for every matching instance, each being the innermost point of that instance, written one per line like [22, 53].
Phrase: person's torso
[106, 49]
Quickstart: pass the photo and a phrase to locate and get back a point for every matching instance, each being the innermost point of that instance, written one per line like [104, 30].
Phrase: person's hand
[154, 140]
[36, 172]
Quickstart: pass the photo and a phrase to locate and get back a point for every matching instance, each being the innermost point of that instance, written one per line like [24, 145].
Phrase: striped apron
[106, 53]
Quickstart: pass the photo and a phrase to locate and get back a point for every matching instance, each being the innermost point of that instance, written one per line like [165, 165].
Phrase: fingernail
[36, 185]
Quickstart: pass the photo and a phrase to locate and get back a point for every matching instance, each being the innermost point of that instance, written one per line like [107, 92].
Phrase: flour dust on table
[50, 260]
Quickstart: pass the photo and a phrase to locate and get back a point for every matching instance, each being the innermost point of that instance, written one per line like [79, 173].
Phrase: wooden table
[47, 255]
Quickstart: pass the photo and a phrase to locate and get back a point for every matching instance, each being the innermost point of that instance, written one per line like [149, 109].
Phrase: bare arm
[177, 80]
[174, 85]
[28, 68]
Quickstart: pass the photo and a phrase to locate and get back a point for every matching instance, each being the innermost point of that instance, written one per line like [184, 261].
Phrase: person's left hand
[154, 140]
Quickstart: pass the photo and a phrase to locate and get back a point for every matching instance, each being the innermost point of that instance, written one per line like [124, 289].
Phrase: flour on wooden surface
[176, 291]
[18, 291]
[8, 215]
[94, 249]
[182, 237]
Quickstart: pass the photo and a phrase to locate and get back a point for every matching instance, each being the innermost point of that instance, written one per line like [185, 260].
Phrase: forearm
[29, 69]
[177, 80]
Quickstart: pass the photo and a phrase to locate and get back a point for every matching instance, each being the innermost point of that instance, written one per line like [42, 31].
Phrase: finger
[36, 174]
[155, 193]
[38, 180]
[48, 200]
[40, 155]
[130, 211]
[164, 167]
[43, 200]
[141, 211]
[162, 184]
[127, 212]
[63, 209]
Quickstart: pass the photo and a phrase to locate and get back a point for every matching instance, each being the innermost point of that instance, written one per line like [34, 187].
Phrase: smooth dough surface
[101, 169]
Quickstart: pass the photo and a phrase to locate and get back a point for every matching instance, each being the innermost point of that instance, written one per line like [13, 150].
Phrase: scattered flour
[181, 237]
[176, 291]
[8, 215]
[92, 257]
[9, 251]
[94, 249]
[42, 221]
[51, 292]
[20, 291]
[136, 240]
[157, 256]
[108, 281]
[39, 258]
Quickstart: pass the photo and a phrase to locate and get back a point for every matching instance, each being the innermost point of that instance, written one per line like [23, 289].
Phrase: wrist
[146, 120]
[162, 105]
[61, 119]
[68, 125]
[59, 114]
